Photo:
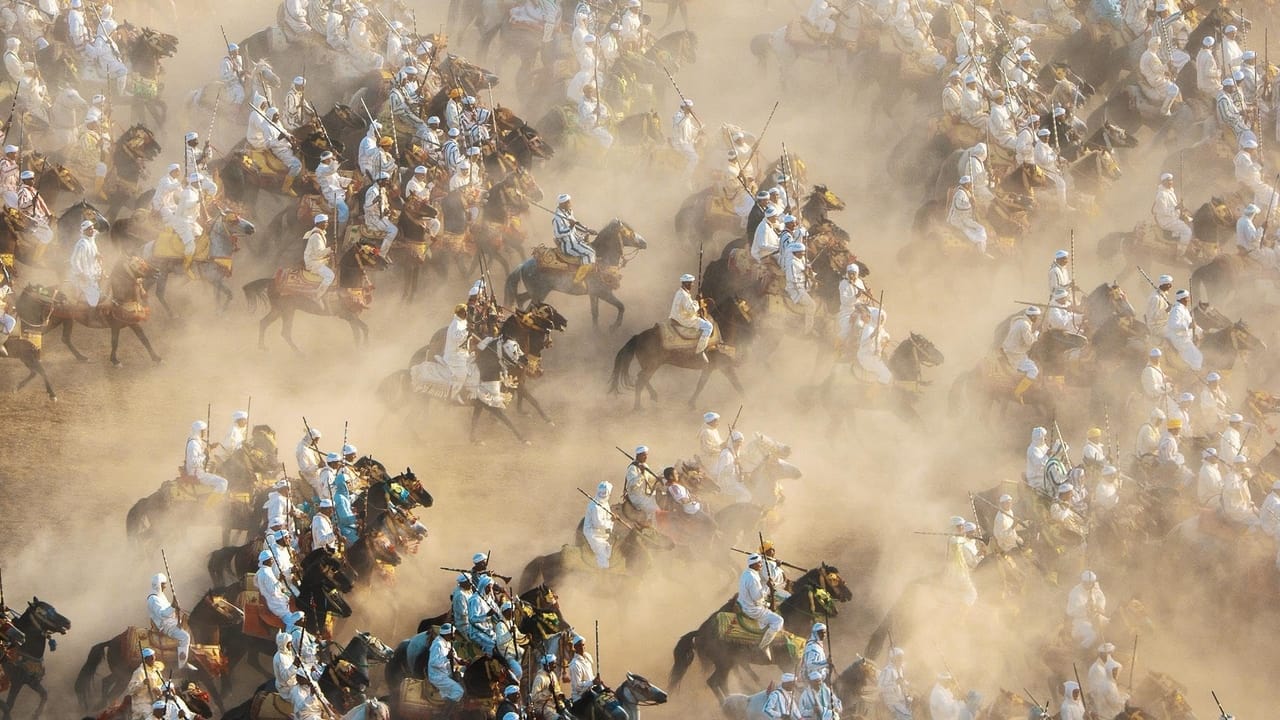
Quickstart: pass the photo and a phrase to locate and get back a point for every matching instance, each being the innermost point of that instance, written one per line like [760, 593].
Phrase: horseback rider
[378, 213]
[308, 699]
[266, 132]
[1250, 242]
[1023, 333]
[686, 133]
[8, 323]
[481, 610]
[458, 353]
[196, 160]
[894, 690]
[638, 487]
[284, 665]
[872, 344]
[1004, 526]
[327, 477]
[295, 105]
[755, 601]
[360, 48]
[594, 116]
[727, 473]
[103, 52]
[31, 204]
[166, 620]
[185, 219]
[572, 238]
[460, 601]
[1156, 386]
[1155, 77]
[334, 187]
[1228, 112]
[196, 464]
[1037, 459]
[766, 243]
[960, 215]
[799, 281]
[598, 524]
[1182, 332]
[279, 506]
[1086, 610]
[852, 288]
[710, 442]
[316, 258]
[583, 680]
[546, 700]
[322, 534]
[1215, 405]
[815, 659]
[275, 592]
[10, 175]
[1170, 216]
[689, 313]
[1237, 501]
[233, 76]
[780, 702]
[1156, 315]
[1062, 313]
[145, 683]
[86, 264]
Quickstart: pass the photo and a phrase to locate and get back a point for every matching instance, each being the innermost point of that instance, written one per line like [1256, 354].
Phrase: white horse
[763, 464]
[745, 707]
[371, 709]
[788, 53]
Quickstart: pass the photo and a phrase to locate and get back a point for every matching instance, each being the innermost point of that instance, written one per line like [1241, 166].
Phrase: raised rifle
[503, 578]
[998, 509]
[756, 146]
[684, 101]
[1133, 660]
[640, 465]
[226, 45]
[768, 576]
[172, 590]
[1221, 712]
[1080, 689]
[776, 560]
[248, 409]
[208, 429]
[146, 674]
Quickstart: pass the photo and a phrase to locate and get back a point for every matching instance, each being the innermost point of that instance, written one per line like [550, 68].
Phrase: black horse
[907, 363]
[610, 246]
[124, 307]
[25, 664]
[33, 308]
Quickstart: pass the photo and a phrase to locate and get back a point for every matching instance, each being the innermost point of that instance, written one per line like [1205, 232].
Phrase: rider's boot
[98, 184]
[288, 185]
[186, 266]
[1023, 386]
[580, 277]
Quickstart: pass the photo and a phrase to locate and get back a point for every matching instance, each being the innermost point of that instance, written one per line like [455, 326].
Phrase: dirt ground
[69, 471]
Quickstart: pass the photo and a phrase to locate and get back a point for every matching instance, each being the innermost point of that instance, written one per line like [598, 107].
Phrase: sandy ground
[70, 471]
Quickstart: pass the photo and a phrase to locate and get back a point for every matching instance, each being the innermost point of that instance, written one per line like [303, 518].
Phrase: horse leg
[36, 367]
[66, 340]
[525, 395]
[115, 345]
[702, 382]
[44, 698]
[595, 311]
[286, 329]
[609, 298]
[146, 343]
[265, 323]
[642, 382]
[162, 282]
[502, 416]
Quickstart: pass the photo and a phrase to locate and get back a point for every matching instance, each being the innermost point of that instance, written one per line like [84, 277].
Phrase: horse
[632, 556]
[404, 491]
[210, 615]
[499, 229]
[24, 665]
[733, 318]
[906, 363]
[1212, 227]
[224, 235]
[145, 49]
[52, 179]
[130, 154]
[351, 296]
[343, 683]
[123, 307]
[993, 381]
[820, 589]
[789, 44]
[855, 686]
[33, 309]
[1227, 275]
[610, 248]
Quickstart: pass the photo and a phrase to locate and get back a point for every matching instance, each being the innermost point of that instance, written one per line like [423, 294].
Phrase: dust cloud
[72, 470]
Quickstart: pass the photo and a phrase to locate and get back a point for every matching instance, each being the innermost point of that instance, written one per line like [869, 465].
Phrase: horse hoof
[116, 364]
[53, 398]
[83, 360]
[528, 443]
[157, 360]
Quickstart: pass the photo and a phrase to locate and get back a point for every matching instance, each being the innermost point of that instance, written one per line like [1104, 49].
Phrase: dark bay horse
[131, 153]
[734, 320]
[125, 306]
[814, 596]
[351, 294]
[25, 665]
[610, 246]
[145, 49]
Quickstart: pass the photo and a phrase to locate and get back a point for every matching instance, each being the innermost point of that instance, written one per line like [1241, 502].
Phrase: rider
[1023, 333]
[317, 254]
[571, 236]
[34, 207]
[458, 353]
[598, 524]
[86, 264]
[754, 602]
[871, 346]
[233, 74]
[727, 473]
[185, 219]
[638, 485]
[165, 618]
[546, 700]
[687, 312]
[1181, 331]
[780, 704]
[333, 185]
[274, 591]
[145, 684]
[197, 161]
[1170, 215]
[295, 104]
[197, 458]
[960, 215]
[582, 676]
[815, 653]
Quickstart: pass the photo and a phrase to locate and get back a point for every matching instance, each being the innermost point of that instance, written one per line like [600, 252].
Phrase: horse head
[140, 142]
[1117, 136]
[367, 255]
[929, 354]
[829, 579]
[16, 221]
[261, 449]
[162, 44]
[415, 494]
[136, 266]
[46, 619]
[235, 223]
[1221, 212]
[226, 612]
[1209, 317]
[378, 651]
[1243, 340]
[829, 200]
[637, 690]
[90, 213]
[526, 183]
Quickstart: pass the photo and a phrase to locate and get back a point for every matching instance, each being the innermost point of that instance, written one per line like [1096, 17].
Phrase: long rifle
[642, 466]
[146, 674]
[1271, 205]
[1133, 660]
[780, 562]
[756, 146]
[248, 409]
[208, 430]
[172, 590]
[998, 509]
[597, 648]
[684, 101]
[1221, 712]
[3, 607]
[768, 575]
[1080, 689]
[323, 130]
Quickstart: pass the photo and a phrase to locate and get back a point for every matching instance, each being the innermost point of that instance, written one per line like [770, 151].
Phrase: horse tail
[1111, 244]
[760, 47]
[220, 563]
[85, 679]
[135, 521]
[684, 655]
[622, 367]
[257, 290]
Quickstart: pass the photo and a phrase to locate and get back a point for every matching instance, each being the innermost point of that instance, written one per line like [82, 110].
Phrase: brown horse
[124, 307]
[734, 321]
[351, 296]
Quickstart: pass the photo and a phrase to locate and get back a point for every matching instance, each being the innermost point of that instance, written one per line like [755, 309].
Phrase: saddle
[800, 33]
[270, 706]
[169, 246]
[419, 250]
[259, 621]
[456, 242]
[311, 205]
[143, 87]
[738, 629]
[265, 163]
[583, 559]
[996, 371]
[550, 259]
[678, 338]
[418, 699]
[296, 281]
[166, 648]
[185, 489]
